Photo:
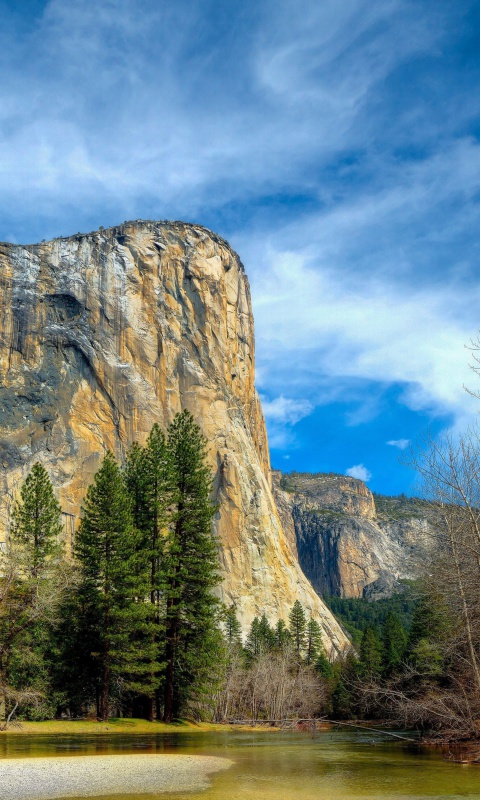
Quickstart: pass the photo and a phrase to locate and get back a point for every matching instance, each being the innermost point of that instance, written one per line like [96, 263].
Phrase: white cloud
[402, 444]
[314, 322]
[359, 471]
[282, 414]
[286, 409]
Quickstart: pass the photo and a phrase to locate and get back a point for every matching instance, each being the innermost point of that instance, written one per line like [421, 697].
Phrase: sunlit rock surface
[349, 543]
[101, 335]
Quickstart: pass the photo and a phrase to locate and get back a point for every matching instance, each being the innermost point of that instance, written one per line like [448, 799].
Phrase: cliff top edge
[126, 227]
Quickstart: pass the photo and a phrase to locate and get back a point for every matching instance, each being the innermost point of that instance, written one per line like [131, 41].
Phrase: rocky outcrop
[349, 543]
[101, 335]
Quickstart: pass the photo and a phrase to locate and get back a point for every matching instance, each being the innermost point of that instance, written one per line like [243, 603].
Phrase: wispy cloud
[402, 444]
[281, 414]
[133, 112]
[286, 409]
[311, 320]
[360, 472]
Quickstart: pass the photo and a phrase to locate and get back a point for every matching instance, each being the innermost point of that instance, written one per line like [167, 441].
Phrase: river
[329, 765]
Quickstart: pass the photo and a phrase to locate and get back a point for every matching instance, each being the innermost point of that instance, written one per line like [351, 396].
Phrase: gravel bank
[88, 776]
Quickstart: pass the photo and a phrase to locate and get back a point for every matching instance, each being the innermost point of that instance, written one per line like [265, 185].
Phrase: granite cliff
[101, 335]
[349, 542]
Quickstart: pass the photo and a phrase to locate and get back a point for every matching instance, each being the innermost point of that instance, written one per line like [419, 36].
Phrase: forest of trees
[129, 624]
[356, 613]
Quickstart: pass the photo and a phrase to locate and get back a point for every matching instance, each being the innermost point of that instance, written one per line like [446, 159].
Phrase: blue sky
[335, 144]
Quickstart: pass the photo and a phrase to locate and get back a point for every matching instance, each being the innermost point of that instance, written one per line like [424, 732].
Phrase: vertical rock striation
[101, 335]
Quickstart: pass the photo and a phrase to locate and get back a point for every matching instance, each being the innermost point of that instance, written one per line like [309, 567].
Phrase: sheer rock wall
[103, 334]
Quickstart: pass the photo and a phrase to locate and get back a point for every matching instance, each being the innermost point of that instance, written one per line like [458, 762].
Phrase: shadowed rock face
[349, 545]
[101, 335]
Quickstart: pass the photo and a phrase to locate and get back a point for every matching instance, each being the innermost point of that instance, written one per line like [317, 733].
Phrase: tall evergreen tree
[107, 609]
[136, 482]
[313, 641]
[430, 620]
[341, 701]
[148, 480]
[283, 637]
[394, 640]
[233, 631]
[298, 625]
[254, 641]
[32, 586]
[37, 521]
[323, 666]
[430, 627]
[159, 489]
[370, 653]
[267, 635]
[191, 564]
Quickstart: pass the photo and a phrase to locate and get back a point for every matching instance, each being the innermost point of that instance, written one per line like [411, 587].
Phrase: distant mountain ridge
[350, 542]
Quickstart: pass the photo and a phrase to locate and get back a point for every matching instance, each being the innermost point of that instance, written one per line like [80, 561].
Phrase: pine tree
[394, 640]
[298, 625]
[233, 631]
[36, 521]
[283, 637]
[191, 565]
[33, 584]
[314, 641]
[370, 653]
[430, 620]
[136, 480]
[159, 488]
[323, 665]
[428, 631]
[253, 644]
[107, 610]
[341, 701]
[148, 481]
[267, 635]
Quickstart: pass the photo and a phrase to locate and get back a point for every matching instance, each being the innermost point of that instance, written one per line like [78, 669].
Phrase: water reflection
[284, 766]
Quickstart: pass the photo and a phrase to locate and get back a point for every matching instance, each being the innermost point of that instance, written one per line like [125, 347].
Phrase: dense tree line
[356, 613]
[130, 623]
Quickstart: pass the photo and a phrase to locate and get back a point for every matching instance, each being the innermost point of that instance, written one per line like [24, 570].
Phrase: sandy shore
[87, 776]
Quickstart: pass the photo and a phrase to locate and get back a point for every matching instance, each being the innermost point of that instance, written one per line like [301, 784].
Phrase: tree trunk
[171, 633]
[151, 709]
[465, 610]
[97, 700]
[104, 692]
[170, 671]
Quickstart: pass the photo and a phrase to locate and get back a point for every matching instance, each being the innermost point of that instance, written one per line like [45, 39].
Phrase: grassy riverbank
[117, 725]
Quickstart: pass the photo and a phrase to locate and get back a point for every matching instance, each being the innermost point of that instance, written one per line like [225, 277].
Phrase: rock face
[101, 335]
[349, 543]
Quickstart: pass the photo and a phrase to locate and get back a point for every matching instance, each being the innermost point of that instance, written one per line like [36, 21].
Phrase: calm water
[284, 766]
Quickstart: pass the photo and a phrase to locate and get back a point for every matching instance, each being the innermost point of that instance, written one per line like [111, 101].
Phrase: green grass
[114, 725]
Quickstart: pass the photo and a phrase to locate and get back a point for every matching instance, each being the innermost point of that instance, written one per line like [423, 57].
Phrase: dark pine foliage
[191, 566]
[105, 608]
[355, 613]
